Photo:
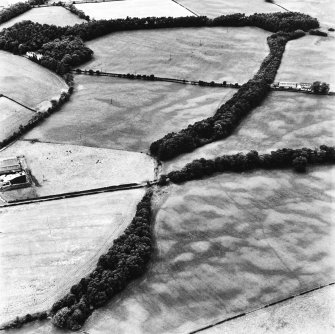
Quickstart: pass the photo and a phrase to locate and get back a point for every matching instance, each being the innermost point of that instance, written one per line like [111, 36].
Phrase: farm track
[128, 186]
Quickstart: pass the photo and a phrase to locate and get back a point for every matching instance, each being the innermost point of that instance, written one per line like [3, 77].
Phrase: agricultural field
[60, 169]
[321, 9]
[11, 117]
[140, 112]
[133, 8]
[214, 8]
[309, 59]
[308, 314]
[193, 53]
[227, 245]
[49, 246]
[285, 119]
[46, 15]
[27, 82]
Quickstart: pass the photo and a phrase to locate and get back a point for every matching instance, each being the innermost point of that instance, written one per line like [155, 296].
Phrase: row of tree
[49, 40]
[17, 9]
[298, 159]
[125, 260]
[73, 9]
[230, 114]
[37, 118]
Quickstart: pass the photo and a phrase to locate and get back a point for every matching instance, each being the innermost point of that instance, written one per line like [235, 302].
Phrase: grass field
[141, 112]
[285, 119]
[46, 15]
[47, 247]
[66, 168]
[227, 245]
[214, 8]
[133, 8]
[12, 115]
[7, 3]
[192, 53]
[309, 59]
[27, 82]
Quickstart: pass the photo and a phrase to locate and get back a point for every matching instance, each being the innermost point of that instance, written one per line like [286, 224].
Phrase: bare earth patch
[47, 247]
[68, 168]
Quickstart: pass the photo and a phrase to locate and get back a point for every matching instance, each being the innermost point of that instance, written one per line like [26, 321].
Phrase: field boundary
[127, 186]
[17, 102]
[260, 308]
[191, 11]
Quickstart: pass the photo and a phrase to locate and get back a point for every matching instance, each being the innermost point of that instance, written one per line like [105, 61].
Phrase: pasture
[133, 8]
[58, 16]
[47, 247]
[60, 169]
[291, 120]
[140, 112]
[27, 82]
[192, 53]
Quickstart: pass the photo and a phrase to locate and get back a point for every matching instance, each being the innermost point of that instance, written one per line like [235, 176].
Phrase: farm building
[10, 165]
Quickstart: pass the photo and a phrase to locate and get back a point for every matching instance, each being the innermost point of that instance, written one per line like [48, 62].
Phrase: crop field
[228, 245]
[285, 119]
[214, 8]
[46, 15]
[133, 8]
[309, 59]
[47, 247]
[140, 112]
[27, 82]
[322, 9]
[193, 53]
[11, 117]
[67, 168]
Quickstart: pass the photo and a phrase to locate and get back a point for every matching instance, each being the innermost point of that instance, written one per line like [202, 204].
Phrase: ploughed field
[309, 59]
[140, 112]
[58, 168]
[47, 247]
[133, 8]
[46, 15]
[27, 82]
[192, 53]
[284, 120]
[214, 8]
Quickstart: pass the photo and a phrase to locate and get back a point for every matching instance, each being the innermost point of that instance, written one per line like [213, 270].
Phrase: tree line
[126, 260]
[18, 9]
[27, 36]
[230, 114]
[298, 159]
[40, 116]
